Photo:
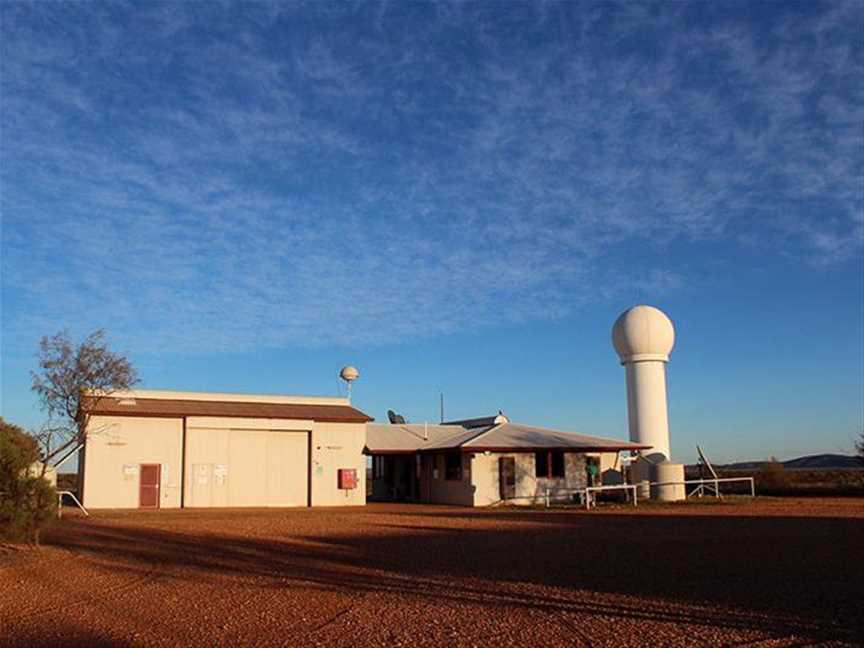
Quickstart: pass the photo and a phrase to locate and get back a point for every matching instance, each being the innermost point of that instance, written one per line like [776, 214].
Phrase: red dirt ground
[769, 572]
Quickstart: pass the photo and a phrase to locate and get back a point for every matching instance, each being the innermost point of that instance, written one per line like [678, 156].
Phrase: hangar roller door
[248, 468]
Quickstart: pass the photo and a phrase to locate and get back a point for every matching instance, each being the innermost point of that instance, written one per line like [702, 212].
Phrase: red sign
[347, 478]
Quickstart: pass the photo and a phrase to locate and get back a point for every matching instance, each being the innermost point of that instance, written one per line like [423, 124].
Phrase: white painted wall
[115, 448]
[229, 461]
[335, 446]
[479, 485]
[486, 477]
[530, 489]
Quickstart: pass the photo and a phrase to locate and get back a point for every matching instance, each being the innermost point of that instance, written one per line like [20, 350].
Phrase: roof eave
[542, 448]
[363, 418]
[370, 452]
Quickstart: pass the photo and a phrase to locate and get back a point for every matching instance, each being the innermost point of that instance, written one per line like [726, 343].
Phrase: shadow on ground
[779, 575]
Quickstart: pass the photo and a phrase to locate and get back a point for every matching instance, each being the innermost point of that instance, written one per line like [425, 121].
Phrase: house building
[163, 449]
[486, 461]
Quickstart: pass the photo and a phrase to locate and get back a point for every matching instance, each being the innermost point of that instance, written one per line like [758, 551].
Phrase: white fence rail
[588, 496]
[712, 482]
[60, 495]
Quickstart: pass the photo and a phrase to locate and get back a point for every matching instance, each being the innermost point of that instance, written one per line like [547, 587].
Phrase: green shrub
[27, 501]
[771, 477]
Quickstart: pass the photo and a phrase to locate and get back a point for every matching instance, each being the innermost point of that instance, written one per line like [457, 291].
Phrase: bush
[771, 477]
[27, 501]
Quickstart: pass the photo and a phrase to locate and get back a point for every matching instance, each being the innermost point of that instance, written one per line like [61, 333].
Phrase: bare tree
[71, 382]
[859, 446]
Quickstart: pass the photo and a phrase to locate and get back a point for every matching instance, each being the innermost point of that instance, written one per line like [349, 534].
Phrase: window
[557, 459]
[549, 463]
[453, 466]
[377, 467]
[541, 464]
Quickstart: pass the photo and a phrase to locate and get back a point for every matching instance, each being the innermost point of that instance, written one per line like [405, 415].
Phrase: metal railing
[713, 482]
[60, 495]
[588, 497]
[587, 494]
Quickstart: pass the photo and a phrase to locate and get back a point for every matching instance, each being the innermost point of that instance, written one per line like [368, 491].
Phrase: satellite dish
[349, 374]
[394, 418]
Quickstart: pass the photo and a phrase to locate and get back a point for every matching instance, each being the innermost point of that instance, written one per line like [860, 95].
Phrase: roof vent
[126, 401]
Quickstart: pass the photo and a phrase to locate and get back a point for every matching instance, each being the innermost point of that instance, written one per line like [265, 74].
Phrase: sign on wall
[220, 473]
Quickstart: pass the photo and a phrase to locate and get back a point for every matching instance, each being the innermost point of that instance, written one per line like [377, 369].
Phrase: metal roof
[173, 407]
[485, 421]
[460, 438]
[515, 436]
[408, 437]
[504, 437]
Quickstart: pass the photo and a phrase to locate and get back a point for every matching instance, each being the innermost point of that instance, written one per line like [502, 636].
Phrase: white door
[247, 459]
[268, 468]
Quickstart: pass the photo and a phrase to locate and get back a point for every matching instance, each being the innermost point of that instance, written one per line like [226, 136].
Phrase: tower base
[643, 473]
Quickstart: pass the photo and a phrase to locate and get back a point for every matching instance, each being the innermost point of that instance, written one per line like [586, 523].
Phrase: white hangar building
[163, 449]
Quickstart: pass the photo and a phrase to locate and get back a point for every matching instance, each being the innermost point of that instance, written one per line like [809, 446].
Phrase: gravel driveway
[769, 572]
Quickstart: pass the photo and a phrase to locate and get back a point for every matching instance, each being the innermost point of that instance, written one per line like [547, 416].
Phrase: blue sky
[453, 197]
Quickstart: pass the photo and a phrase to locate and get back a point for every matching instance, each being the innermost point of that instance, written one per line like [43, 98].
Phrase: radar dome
[643, 333]
[349, 373]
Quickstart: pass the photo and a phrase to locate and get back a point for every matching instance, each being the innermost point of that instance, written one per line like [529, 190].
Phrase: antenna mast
[442, 407]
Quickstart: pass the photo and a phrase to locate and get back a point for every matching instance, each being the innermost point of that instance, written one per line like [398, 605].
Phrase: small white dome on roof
[643, 333]
[349, 373]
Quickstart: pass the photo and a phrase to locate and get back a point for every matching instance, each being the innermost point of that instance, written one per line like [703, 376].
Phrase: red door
[151, 475]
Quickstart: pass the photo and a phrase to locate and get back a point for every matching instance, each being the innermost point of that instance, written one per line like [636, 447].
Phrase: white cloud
[218, 181]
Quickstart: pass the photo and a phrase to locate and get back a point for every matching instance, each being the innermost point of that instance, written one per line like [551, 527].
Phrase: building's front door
[150, 478]
[507, 477]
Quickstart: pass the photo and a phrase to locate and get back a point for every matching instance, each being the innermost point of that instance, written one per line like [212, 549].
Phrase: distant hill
[827, 461]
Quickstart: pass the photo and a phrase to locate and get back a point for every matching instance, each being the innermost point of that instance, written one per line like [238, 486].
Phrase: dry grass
[775, 480]
[778, 572]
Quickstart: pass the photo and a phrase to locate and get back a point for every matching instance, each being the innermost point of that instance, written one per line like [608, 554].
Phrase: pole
[442, 407]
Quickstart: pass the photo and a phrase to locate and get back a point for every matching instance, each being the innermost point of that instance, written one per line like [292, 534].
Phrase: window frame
[548, 462]
[451, 472]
